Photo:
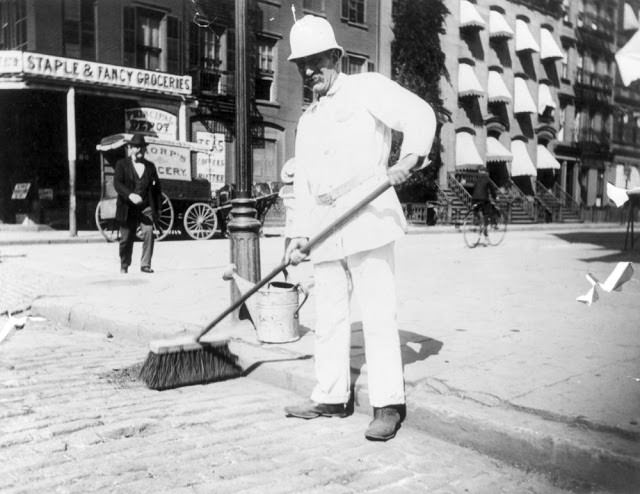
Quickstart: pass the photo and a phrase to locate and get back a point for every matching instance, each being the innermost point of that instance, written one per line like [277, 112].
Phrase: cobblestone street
[75, 419]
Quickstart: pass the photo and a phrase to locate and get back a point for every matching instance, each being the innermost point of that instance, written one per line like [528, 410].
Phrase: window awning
[497, 90]
[468, 83]
[522, 101]
[496, 151]
[545, 99]
[628, 60]
[524, 39]
[469, 15]
[467, 155]
[630, 20]
[546, 160]
[498, 26]
[549, 49]
[521, 164]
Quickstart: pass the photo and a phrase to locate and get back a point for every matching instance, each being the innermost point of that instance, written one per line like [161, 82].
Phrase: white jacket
[342, 147]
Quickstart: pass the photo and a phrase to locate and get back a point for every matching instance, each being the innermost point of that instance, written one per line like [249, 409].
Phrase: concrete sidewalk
[498, 354]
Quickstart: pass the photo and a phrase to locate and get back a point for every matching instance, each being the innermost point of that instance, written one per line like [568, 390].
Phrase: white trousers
[370, 277]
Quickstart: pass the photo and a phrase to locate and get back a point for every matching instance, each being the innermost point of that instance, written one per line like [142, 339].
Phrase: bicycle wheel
[497, 227]
[472, 229]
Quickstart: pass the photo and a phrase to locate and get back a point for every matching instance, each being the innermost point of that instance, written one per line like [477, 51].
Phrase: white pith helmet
[311, 35]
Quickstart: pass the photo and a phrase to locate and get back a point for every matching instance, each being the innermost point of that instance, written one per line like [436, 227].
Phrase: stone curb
[569, 452]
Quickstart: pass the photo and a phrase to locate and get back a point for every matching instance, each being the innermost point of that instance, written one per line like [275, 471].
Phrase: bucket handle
[306, 296]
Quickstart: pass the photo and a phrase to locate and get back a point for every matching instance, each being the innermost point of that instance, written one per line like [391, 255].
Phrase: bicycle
[477, 226]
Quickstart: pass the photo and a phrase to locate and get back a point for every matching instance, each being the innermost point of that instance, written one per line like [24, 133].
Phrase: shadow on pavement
[607, 241]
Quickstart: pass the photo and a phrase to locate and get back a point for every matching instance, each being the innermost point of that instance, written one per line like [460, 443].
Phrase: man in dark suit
[139, 198]
[484, 194]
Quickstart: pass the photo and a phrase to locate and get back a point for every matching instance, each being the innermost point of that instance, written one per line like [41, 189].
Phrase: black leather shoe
[146, 269]
[124, 269]
[313, 410]
[386, 422]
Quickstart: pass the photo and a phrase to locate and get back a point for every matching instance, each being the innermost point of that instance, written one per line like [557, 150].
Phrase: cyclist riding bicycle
[483, 197]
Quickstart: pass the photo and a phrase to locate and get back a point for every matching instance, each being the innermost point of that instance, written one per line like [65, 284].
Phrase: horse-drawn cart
[188, 204]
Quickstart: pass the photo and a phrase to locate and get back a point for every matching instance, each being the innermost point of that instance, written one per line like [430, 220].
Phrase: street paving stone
[74, 419]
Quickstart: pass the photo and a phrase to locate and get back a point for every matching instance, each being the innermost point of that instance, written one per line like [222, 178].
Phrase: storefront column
[71, 152]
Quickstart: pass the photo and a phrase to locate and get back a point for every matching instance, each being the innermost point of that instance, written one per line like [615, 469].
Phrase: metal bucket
[276, 312]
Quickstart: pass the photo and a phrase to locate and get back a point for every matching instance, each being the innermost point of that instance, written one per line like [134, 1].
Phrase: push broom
[182, 362]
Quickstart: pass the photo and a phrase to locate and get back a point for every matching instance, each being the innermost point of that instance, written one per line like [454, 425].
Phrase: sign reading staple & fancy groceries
[151, 122]
[82, 71]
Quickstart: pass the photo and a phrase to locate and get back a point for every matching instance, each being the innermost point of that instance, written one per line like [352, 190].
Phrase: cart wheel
[107, 226]
[200, 221]
[165, 222]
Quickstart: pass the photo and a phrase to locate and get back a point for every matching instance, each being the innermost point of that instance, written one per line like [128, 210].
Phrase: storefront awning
[521, 164]
[496, 151]
[545, 99]
[469, 15]
[497, 90]
[467, 155]
[498, 26]
[524, 39]
[546, 160]
[630, 20]
[549, 49]
[628, 60]
[522, 101]
[468, 83]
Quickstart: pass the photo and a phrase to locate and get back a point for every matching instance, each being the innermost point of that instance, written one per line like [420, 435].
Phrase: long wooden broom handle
[306, 249]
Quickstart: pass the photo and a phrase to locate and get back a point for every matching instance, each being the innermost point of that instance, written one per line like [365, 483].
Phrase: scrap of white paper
[617, 194]
[592, 295]
[618, 277]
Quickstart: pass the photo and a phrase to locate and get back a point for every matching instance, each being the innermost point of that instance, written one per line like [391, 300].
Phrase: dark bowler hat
[137, 140]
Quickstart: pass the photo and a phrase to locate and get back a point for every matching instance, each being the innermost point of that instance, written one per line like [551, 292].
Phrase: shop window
[314, 6]
[79, 29]
[151, 40]
[13, 25]
[266, 69]
[353, 11]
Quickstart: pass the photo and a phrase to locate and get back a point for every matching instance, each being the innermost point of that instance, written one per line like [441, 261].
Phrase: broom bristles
[208, 363]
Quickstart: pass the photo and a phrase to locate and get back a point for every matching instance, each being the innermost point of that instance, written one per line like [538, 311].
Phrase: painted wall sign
[82, 71]
[151, 122]
[172, 163]
[20, 190]
[211, 165]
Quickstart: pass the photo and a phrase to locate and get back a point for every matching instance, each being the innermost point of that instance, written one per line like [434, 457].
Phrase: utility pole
[244, 228]
[71, 152]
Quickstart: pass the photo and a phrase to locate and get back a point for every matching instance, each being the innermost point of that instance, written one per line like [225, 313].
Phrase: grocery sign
[82, 71]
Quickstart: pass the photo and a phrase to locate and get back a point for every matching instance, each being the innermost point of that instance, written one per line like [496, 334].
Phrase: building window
[13, 25]
[79, 29]
[151, 40]
[354, 64]
[313, 6]
[266, 69]
[353, 11]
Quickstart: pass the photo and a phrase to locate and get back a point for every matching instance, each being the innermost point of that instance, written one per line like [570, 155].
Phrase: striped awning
[467, 155]
[522, 100]
[521, 163]
[497, 90]
[546, 160]
[468, 83]
[628, 60]
[496, 151]
[498, 26]
[549, 49]
[545, 99]
[469, 15]
[524, 39]
[630, 19]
